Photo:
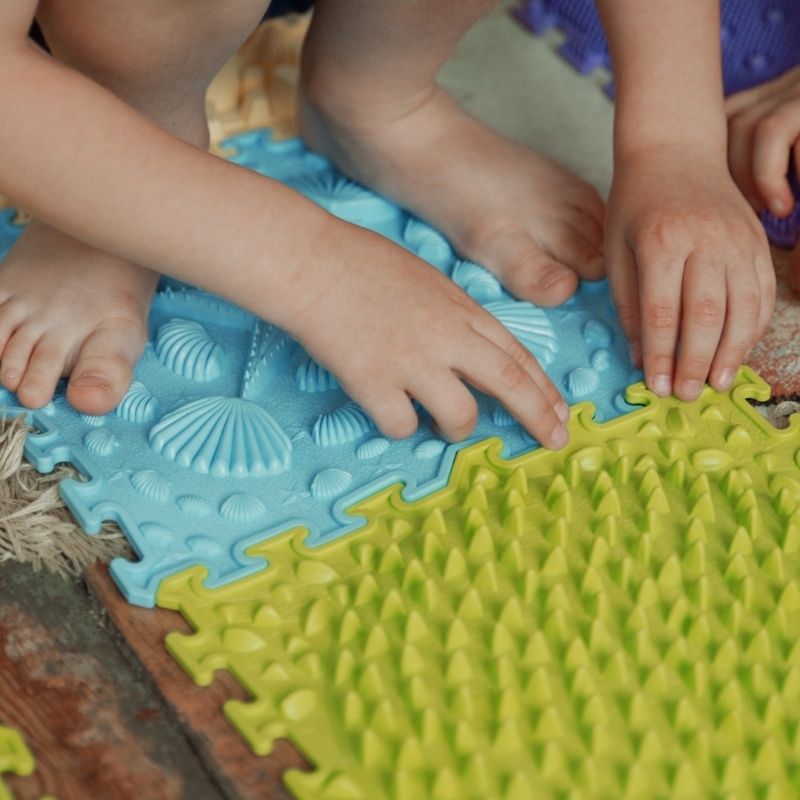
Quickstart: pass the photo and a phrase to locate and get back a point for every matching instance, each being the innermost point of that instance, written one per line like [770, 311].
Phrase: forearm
[668, 73]
[83, 161]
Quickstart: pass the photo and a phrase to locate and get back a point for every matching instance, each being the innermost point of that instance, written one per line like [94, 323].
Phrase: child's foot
[68, 309]
[528, 219]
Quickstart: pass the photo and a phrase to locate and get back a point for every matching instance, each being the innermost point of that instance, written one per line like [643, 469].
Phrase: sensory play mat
[759, 42]
[484, 620]
[231, 433]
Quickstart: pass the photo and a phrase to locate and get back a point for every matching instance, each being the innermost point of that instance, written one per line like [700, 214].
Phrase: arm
[388, 325]
[85, 162]
[688, 260]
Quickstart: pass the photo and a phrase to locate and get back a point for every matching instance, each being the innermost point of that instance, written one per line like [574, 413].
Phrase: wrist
[668, 149]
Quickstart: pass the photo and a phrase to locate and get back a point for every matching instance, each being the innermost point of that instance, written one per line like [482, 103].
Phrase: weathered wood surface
[225, 754]
[95, 722]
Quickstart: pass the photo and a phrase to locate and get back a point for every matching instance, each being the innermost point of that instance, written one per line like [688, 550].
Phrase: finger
[703, 306]
[660, 311]
[774, 137]
[765, 276]
[449, 402]
[736, 103]
[625, 293]
[391, 410]
[740, 158]
[490, 369]
[738, 334]
[492, 330]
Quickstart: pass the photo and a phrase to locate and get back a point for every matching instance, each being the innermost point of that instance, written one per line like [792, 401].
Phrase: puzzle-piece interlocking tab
[617, 620]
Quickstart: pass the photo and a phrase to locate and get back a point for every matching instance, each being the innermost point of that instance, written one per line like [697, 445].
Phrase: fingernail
[635, 352]
[562, 409]
[779, 208]
[661, 385]
[692, 389]
[725, 379]
[559, 437]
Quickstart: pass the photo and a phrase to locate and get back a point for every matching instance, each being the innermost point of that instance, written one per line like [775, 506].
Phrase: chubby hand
[392, 328]
[763, 134]
[764, 145]
[689, 265]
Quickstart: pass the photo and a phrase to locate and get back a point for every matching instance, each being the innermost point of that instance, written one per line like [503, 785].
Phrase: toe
[103, 371]
[530, 273]
[542, 280]
[45, 368]
[579, 250]
[11, 317]
[16, 356]
[524, 268]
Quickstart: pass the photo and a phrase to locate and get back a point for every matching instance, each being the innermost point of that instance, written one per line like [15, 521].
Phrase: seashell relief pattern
[231, 430]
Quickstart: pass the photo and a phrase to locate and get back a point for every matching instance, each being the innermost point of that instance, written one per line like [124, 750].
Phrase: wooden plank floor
[105, 722]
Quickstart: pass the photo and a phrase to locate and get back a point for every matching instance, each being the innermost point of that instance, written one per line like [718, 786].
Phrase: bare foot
[537, 226]
[68, 309]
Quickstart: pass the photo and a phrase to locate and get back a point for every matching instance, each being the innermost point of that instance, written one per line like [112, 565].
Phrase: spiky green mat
[617, 620]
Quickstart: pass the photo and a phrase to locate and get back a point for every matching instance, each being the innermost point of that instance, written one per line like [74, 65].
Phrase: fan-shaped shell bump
[224, 436]
[313, 377]
[343, 425]
[138, 405]
[529, 324]
[330, 483]
[185, 348]
[477, 282]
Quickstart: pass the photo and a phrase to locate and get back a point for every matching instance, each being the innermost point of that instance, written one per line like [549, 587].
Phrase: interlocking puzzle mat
[15, 758]
[620, 619]
[759, 43]
[231, 434]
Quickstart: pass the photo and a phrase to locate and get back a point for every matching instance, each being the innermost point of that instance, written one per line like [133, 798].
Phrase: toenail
[11, 374]
[88, 379]
[551, 278]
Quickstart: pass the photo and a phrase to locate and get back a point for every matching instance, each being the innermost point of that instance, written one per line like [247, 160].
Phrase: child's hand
[391, 328]
[690, 268]
[763, 133]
